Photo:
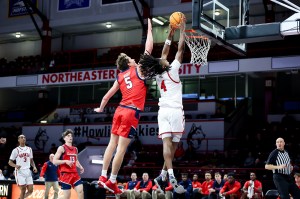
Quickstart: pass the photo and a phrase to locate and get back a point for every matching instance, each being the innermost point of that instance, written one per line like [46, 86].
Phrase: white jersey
[170, 87]
[22, 156]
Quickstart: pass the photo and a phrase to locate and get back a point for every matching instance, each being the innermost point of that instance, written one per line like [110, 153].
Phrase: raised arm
[166, 48]
[149, 41]
[181, 43]
[107, 96]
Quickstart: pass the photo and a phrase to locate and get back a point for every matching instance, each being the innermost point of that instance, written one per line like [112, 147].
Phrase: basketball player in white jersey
[23, 157]
[170, 115]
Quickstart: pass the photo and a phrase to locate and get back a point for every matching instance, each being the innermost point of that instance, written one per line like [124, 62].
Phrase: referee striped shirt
[278, 157]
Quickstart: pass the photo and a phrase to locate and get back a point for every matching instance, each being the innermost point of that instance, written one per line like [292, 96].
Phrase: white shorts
[171, 123]
[23, 177]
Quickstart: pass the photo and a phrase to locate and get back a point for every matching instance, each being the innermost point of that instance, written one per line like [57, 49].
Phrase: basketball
[176, 18]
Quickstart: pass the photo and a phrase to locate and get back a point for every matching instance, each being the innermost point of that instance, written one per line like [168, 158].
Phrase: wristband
[168, 42]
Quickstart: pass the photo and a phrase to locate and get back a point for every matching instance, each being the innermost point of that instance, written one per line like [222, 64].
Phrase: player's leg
[29, 190]
[29, 183]
[67, 180]
[112, 145]
[120, 153]
[67, 193]
[21, 182]
[22, 191]
[79, 190]
[165, 135]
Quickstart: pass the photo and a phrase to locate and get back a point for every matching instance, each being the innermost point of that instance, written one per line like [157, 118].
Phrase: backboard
[212, 17]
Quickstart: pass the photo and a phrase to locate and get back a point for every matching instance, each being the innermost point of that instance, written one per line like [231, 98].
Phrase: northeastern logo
[195, 136]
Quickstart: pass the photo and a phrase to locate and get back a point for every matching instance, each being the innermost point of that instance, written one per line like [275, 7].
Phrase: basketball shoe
[158, 182]
[112, 187]
[177, 188]
[102, 180]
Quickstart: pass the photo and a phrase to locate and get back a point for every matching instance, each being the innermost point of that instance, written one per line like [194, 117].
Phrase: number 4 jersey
[170, 87]
[133, 88]
[22, 156]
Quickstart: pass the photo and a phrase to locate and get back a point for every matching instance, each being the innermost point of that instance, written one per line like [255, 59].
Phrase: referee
[279, 162]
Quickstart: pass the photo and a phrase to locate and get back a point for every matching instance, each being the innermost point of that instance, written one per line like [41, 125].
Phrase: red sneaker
[102, 180]
[112, 187]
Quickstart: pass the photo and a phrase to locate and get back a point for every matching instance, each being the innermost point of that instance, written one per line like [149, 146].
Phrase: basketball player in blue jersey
[170, 115]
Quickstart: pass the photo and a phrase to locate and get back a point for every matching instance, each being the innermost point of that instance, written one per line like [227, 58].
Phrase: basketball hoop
[199, 46]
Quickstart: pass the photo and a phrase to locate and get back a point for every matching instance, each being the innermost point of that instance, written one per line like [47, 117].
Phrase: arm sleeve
[236, 188]
[258, 186]
[44, 168]
[126, 186]
[272, 157]
[190, 187]
[13, 155]
[137, 186]
[224, 188]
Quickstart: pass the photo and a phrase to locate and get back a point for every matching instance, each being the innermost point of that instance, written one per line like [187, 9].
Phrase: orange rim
[195, 36]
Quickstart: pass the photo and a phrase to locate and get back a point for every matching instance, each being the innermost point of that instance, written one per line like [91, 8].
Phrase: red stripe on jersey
[172, 78]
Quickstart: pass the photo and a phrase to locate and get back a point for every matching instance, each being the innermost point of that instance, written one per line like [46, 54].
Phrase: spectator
[129, 186]
[252, 188]
[249, 161]
[56, 118]
[132, 160]
[297, 179]
[217, 186]
[6, 172]
[231, 188]
[136, 144]
[2, 176]
[162, 192]
[206, 185]
[50, 174]
[179, 153]
[196, 187]
[188, 188]
[142, 189]
[225, 177]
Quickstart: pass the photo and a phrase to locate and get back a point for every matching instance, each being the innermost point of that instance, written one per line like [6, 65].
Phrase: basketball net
[199, 46]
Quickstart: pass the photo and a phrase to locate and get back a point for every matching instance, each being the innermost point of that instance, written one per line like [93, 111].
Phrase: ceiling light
[157, 21]
[217, 12]
[108, 24]
[43, 121]
[18, 35]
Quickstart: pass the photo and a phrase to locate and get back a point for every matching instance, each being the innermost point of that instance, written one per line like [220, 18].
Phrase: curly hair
[122, 62]
[150, 66]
